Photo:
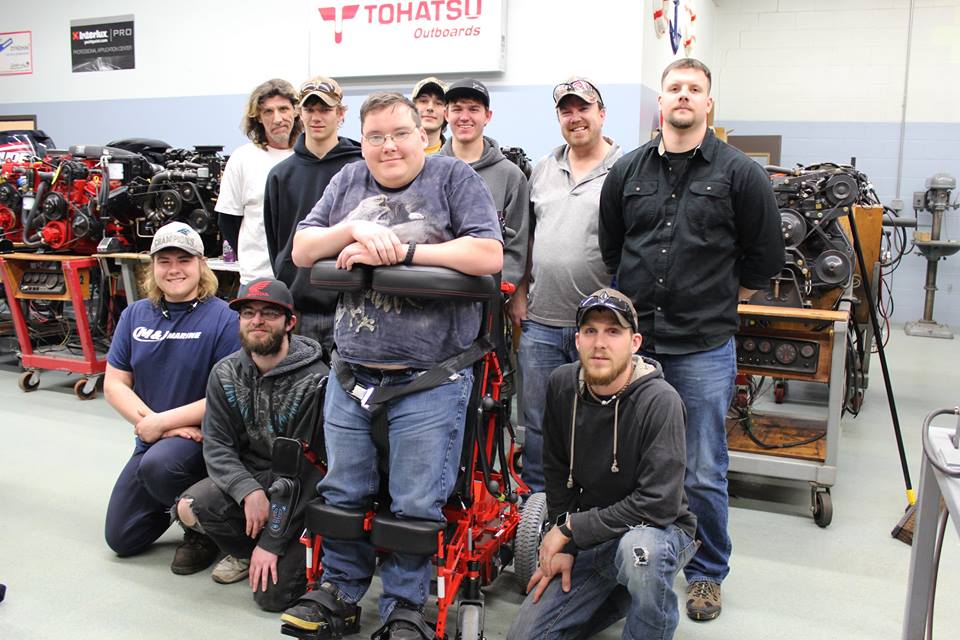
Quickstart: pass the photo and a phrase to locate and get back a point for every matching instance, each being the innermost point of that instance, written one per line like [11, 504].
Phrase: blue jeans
[151, 481]
[426, 437]
[631, 576]
[542, 349]
[705, 382]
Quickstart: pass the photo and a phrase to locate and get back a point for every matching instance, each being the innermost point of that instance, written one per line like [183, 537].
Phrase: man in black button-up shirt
[689, 225]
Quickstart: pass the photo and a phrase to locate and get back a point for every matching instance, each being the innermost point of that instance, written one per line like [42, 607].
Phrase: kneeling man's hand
[263, 565]
[561, 563]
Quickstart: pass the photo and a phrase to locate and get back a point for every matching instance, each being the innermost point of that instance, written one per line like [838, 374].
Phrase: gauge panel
[778, 354]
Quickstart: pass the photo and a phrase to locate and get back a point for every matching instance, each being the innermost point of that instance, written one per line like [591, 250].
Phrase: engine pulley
[833, 267]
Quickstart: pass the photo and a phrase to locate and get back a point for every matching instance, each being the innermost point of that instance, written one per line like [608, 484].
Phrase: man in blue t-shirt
[398, 206]
[160, 357]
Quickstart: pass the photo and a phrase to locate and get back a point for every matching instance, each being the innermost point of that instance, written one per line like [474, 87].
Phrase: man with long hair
[272, 124]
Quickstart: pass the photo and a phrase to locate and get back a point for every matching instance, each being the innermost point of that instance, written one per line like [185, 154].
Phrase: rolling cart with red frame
[63, 278]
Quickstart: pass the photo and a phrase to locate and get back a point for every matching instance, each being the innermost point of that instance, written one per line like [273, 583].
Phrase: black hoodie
[628, 455]
[293, 188]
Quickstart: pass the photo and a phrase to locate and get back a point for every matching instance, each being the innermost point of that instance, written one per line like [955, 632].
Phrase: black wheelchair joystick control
[285, 489]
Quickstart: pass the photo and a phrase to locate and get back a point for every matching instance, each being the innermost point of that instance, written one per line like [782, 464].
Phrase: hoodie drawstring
[573, 439]
[615, 468]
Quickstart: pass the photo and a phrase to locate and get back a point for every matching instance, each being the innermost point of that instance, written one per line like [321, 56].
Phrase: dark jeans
[222, 519]
[148, 486]
[318, 326]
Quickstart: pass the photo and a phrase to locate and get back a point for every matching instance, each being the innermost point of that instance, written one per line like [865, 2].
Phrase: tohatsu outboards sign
[356, 39]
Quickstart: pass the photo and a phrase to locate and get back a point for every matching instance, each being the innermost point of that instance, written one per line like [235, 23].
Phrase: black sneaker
[405, 622]
[324, 613]
[195, 553]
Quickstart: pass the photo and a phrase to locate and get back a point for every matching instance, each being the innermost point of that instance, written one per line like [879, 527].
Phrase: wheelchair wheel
[470, 624]
[526, 545]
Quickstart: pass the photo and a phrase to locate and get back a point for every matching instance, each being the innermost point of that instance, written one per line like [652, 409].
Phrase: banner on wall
[406, 38]
[102, 44]
[16, 53]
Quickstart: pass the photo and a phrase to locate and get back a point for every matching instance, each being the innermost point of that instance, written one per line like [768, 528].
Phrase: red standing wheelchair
[485, 529]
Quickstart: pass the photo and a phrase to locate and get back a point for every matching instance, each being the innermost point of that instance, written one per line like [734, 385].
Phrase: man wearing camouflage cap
[614, 464]
[565, 263]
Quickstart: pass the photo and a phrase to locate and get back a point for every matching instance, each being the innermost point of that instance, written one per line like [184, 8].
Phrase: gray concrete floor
[790, 579]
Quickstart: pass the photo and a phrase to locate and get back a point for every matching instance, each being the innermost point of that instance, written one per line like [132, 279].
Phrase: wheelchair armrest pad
[326, 275]
[412, 281]
[418, 281]
[416, 537]
[333, 522]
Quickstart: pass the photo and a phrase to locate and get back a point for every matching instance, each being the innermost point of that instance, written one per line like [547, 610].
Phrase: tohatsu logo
[401, 12]
[329, 14]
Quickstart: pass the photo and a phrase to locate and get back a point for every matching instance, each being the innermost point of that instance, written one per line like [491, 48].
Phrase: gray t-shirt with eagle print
[447, 200]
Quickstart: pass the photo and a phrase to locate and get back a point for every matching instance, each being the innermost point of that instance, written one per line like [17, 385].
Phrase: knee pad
[416, 537]
[336, 523]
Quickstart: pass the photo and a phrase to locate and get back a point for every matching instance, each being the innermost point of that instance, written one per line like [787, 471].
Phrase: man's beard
[602, 379]
[266, 347]
[676, 123]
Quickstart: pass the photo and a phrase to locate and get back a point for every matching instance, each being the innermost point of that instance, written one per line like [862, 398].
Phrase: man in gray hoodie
[468, 113]
[614, 456]
[272, 387]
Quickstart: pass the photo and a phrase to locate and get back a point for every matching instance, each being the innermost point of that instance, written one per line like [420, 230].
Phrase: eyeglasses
[579, 87]
[605, 300]
[267, 313]
[379, 139]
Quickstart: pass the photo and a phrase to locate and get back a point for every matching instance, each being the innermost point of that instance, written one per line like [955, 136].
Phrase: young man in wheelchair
[397, 207]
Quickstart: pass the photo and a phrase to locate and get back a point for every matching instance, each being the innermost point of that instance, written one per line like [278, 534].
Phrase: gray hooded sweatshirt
[511, 196]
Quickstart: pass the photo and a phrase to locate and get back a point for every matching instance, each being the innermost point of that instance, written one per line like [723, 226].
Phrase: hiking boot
[195, 553]
[231, 569]
[703, 600]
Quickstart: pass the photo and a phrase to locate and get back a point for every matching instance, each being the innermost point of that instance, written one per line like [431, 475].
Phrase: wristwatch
[561, 524]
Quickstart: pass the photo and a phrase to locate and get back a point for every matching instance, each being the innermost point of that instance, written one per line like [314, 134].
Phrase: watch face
[562, 519]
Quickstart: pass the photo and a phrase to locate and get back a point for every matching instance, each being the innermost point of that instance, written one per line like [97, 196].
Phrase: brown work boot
[703, 600]
[195, 553]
